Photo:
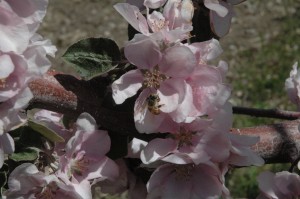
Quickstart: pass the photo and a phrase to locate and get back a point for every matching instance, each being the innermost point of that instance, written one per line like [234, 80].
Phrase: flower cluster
[75, 163]
[183, 97]
[22, 58]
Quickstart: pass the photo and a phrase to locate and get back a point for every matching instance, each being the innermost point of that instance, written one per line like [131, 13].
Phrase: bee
[153, 104]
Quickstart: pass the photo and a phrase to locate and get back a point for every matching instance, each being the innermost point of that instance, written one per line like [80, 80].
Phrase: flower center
[79, 165]
[184, 137]
[184, 172]
[158, 25]
[153, 79]
[48, 192]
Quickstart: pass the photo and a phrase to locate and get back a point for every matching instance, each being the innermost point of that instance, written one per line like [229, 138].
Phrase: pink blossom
[194, 143]
[36, 55]
[14, 33]
[85, 153]
[161, 76]
[206, 51]
[208, 88]
[171, 25]
[22, 57]
[26, 181]
[53, 121]
[7, 146]
[19, 21]
[11, 118]
[31, 11]
[280, 185]
[185, 181]
[292, 86]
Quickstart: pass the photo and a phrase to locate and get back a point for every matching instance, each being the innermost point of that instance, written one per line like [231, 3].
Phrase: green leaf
[27, 154]
[45, 131]
[93, 56]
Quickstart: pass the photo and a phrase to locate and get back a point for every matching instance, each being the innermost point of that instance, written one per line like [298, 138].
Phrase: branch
[65, 94]
[270, 113]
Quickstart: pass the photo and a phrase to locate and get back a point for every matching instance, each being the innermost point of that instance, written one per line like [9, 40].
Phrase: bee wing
[141, 103]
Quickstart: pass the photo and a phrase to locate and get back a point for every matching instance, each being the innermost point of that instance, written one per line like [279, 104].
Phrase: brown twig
[65, 94]
[269, 113]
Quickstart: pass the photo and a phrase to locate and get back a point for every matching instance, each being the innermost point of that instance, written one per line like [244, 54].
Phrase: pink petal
[159, 176]
[206, 185]
[178, 61]
[143, 52]
[221, 25]
[175, 187]
[14, 33]
[133, 16]
[265, 183]
[7, 143]
[217, 7]
[157, 149]
[85, 122]
[103, 168]
[185, 108]
[32, 11]
[135, 147]
[180, 158]
[207, 50]
[126, 86]
[6, 67]
[97, 144]
[171, 93]
[145, 121]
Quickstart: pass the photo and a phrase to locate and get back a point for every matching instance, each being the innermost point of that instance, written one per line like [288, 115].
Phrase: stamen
[184, 137]
[153, 79]
[79, 165]
[184, 172]
[48, 192]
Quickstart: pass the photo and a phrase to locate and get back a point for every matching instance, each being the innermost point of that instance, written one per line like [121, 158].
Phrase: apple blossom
[11, 118]
[193, 143]
[160, 75]
[53, 121]
[173, 24]
[26, 181]
[85, 158]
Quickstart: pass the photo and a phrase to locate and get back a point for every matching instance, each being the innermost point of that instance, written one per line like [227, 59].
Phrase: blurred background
[262, 46]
